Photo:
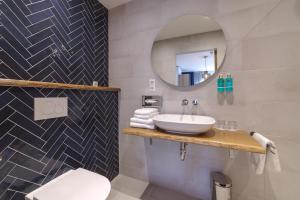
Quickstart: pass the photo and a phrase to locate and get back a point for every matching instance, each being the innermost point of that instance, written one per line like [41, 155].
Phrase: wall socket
[152, 86]
[95, 83]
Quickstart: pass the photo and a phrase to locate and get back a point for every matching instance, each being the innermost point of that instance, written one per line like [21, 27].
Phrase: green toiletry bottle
[229, 83]
[221, 84]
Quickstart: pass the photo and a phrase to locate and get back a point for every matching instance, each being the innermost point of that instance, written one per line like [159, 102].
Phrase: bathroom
[88, 64]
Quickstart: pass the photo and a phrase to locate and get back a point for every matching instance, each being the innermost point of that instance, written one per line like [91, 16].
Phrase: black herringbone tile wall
[55, 41]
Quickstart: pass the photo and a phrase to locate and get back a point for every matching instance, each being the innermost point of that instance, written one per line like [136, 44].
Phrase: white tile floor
[127, 188]
[116, 195]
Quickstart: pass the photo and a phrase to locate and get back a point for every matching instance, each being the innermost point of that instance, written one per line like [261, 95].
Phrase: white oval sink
[184, 124]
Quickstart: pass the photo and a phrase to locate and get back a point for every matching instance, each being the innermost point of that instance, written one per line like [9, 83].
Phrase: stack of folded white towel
[143, 118]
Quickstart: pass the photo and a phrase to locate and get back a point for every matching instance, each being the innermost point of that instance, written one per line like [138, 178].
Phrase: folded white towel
[145, 111]
[259, 160]
[150, 116]
[137, 125]
[142, 121]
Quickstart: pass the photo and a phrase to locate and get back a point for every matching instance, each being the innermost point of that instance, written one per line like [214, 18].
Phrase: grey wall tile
[263, 45]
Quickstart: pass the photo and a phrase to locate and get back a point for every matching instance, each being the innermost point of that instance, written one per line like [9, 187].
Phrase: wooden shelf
[237, 140]
[38, 84]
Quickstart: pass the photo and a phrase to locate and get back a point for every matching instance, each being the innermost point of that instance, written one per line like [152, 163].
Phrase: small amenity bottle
[221, 84]
[229, 83]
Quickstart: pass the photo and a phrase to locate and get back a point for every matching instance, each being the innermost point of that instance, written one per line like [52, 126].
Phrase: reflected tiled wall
[54, 41]
[263, 39]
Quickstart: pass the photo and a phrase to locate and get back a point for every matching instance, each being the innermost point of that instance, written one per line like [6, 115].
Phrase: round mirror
[189, 50]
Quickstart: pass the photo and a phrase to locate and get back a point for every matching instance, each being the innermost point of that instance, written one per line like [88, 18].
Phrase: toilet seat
[77, 184]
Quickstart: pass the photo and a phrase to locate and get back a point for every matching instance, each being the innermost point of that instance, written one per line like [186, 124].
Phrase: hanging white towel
[259, 160]
[138, 125]
[274, 156]
[150, 116]
[142, 121]
[146, 111]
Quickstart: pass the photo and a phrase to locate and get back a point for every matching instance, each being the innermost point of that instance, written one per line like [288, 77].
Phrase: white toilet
[77, 184]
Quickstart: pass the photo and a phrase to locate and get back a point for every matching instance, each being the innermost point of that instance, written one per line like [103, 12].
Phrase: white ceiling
[109, 4]
[188, 25]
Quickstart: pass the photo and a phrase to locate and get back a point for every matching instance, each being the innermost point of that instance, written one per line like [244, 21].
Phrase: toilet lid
[79, 184]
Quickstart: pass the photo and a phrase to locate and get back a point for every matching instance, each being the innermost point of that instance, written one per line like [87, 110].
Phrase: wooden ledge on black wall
[38, 84]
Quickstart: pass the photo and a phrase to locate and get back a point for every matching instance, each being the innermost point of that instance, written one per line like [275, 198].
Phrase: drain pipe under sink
[183, 151]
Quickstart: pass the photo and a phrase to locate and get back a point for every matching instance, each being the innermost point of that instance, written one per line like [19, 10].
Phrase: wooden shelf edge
[235, 141]
[38, 84]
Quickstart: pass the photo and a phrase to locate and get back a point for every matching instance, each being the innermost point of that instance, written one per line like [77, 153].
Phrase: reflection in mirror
[194, 68]
[188, 51]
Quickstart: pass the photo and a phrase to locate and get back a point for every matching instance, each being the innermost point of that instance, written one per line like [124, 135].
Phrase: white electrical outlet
[95, 83]
[152, 86]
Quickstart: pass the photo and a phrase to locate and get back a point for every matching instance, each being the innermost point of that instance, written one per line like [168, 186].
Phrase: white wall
[164, 52]
[263, 56]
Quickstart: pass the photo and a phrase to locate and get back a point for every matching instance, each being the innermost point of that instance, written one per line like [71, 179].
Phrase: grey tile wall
[263, 39]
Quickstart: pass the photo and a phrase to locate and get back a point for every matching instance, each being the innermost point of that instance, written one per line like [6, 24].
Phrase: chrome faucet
[185, 102]
[195, 102]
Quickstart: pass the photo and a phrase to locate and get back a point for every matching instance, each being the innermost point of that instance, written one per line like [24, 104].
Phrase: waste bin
[222, 185]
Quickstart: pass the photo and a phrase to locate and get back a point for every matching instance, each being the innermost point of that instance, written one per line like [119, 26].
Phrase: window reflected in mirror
[188, 51]
[195, 67]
